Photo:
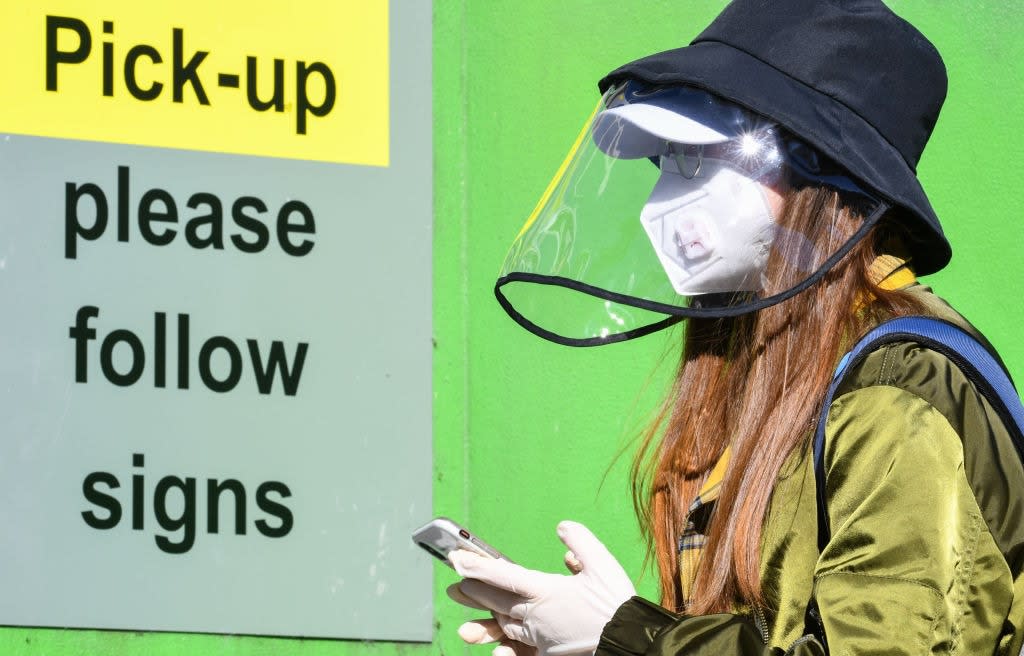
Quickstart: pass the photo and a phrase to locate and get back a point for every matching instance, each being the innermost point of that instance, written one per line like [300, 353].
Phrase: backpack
[977, 363]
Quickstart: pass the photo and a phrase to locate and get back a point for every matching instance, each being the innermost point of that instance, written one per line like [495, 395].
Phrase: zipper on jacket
[796, 643]
[761, 623]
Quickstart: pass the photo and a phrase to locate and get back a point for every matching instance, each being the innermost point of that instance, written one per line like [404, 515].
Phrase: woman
[786, 216]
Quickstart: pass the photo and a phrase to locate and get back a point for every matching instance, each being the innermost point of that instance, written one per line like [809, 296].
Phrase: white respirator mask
[708, 217]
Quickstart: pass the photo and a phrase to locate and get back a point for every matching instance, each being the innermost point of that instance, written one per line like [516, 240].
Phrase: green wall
[526, 432]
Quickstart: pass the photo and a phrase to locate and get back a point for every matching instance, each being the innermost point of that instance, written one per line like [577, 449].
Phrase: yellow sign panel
[302, 80]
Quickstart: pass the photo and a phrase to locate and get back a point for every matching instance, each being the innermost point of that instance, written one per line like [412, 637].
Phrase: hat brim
[828, 125]
[643, 130]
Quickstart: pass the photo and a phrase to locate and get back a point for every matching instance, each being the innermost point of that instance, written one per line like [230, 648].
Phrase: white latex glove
[558, 614]
[479, 632]
[485, 631]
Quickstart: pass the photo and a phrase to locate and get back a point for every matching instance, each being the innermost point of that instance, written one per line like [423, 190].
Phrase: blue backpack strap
[960, 347]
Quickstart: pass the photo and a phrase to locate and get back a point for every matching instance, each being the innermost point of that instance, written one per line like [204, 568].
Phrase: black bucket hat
[849, 77]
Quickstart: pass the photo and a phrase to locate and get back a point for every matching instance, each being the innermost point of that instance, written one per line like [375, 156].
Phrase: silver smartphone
[441, 536]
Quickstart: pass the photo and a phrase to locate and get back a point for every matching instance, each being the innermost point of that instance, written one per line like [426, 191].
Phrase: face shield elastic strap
[675, 313]
[808, 167]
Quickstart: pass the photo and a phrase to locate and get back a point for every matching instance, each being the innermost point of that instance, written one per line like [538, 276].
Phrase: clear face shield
[667, 207]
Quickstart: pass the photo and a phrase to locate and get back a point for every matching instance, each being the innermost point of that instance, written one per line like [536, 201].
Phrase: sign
[304, 83]
[216, 358]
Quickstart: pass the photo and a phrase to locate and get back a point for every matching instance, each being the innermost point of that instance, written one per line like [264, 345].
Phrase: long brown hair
[754, 382]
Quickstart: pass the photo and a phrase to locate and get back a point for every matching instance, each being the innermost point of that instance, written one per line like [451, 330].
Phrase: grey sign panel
[216, 382]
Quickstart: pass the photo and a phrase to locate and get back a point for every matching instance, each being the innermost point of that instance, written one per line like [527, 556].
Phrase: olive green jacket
[912, 566]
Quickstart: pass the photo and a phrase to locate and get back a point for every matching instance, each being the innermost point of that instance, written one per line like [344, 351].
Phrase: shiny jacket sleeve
[641, 627]
[911, 561]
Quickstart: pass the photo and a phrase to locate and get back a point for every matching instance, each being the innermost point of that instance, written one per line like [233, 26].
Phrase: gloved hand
[556, 613]
[484, 631]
